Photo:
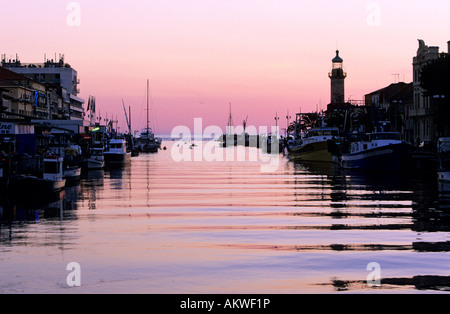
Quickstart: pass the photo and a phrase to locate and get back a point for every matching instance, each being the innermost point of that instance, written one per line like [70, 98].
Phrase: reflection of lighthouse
[337, 76]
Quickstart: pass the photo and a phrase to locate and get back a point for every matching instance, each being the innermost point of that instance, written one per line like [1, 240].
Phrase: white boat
[72, 173]
[51, 181]
[116, 153]
[316, 144]
[96, 160]
[444, 154]
[379, 151]
[53, 172]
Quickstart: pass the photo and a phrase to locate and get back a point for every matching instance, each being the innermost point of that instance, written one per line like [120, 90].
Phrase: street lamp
[288, 117]
[276, 123]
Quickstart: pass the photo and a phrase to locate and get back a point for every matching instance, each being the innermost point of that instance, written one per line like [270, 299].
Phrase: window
[51, 167]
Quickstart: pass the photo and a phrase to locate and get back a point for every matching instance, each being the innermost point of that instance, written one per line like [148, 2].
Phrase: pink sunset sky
[262, 56]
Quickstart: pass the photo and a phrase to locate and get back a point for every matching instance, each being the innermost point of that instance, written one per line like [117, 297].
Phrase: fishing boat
[52, 180]
[380, 151]
[131, 142]
[53, 173]
[116, 153]
[96, 159]
[147, 142]
[314, 145]
[72, 173]
[444, 154]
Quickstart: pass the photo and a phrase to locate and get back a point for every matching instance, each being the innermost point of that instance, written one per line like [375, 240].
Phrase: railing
[416, 112]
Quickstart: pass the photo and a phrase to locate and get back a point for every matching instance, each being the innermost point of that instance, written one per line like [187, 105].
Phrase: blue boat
[379, 151]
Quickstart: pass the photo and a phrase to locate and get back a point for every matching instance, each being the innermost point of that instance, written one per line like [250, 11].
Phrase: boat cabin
[117, 145]
[96, 152]
[375, 140]
[322, 132]
[444, 145]
[53, 168]
[380, 136]
[320, 135]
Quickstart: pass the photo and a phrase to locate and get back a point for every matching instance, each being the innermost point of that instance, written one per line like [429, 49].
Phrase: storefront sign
[15, 129]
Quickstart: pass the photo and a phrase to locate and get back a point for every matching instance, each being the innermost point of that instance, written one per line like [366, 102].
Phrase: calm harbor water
[160, 226]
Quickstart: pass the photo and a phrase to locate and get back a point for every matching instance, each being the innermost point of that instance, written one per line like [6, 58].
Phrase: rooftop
[8, 78]
[8, 63]
[337, 59]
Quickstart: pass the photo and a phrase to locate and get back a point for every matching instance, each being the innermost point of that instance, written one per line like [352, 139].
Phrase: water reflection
[408, 202]
[436, 283]
[27, 210]
[91, 184]
[423, 194]
[227, 221]
[49, 206]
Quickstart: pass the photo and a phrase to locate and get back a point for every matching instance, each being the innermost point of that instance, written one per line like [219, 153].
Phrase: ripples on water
[158, 226]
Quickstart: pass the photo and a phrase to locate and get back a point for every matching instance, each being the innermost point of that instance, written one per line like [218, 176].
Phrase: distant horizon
[266, 58]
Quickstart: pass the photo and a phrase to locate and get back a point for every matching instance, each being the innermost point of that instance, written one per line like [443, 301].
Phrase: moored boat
[96, 159]
[72, 173]
[443, 154]
[147, 142]
[116, 153]
[315, 145]
[52, 180]
[380, 151]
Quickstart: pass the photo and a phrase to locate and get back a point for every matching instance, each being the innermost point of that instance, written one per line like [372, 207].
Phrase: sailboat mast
[147, 108]
[230, 120]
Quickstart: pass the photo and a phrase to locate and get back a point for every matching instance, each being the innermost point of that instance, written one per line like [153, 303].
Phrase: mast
[230, 120]
[128, 123]
[147, 110]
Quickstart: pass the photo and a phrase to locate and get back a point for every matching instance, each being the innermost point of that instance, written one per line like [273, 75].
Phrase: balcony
[420, 112]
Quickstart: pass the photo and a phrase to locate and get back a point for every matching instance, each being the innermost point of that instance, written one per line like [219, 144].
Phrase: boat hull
[149, 149]
[117, 159]
[72, 174]
[393, 157]
[35, 186]
[94, 164]
[444, 176]
[317, 151]
[148, 146]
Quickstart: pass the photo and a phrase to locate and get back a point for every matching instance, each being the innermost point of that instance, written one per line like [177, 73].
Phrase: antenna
[397, 75]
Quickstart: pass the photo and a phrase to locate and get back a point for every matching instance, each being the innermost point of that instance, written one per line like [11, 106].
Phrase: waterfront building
[423, 113]
[389, 105]
[54, 73]
[5, 104]
[21, 96]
